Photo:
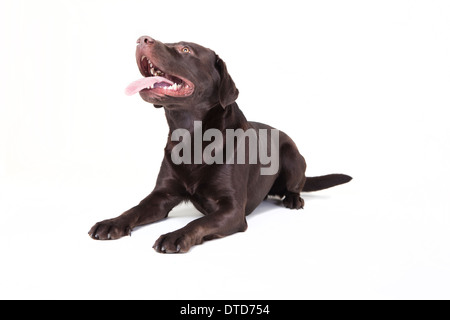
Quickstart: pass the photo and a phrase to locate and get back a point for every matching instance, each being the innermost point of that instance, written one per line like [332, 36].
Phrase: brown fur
[224, 193]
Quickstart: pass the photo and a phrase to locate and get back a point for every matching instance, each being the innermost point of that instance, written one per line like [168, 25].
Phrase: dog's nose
[145, 40]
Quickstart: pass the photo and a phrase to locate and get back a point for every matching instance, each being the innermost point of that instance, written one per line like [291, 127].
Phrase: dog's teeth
[152, 71]
[143, 57]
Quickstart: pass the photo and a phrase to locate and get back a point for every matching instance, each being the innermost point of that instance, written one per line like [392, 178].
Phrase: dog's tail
[324, 182]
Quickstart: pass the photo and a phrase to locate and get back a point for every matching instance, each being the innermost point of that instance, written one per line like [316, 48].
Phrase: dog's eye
[186, 50]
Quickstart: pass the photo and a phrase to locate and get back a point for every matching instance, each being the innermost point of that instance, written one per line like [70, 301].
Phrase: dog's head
[181, 74]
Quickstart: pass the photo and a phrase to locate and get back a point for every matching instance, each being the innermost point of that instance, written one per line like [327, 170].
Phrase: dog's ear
[228, 92]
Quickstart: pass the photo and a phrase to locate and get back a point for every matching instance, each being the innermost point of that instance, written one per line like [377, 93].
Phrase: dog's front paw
[110, 229]
[174, 242]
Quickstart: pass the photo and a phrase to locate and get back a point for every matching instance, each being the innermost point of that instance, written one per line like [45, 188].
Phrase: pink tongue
[144, 83]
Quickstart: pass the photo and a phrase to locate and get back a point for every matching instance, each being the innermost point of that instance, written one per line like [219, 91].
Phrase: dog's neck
[216, 117]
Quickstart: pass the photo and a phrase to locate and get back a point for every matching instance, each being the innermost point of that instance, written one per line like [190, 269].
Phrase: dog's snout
[145, 40]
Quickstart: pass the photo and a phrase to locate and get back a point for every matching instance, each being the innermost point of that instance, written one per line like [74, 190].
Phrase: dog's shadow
[275, 203]
[189, 212]
[271, 203]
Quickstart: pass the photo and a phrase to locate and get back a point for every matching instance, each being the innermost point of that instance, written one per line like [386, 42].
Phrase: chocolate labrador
[198, 95]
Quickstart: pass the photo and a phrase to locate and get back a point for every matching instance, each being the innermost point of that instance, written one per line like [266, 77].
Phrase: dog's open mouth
[158, 82]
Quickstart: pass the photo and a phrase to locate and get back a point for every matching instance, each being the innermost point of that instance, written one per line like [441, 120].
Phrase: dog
[193, 86]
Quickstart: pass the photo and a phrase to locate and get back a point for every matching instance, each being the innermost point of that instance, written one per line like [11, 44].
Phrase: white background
[361, 86]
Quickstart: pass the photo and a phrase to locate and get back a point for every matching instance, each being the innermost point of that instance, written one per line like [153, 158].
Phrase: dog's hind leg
[292, 175]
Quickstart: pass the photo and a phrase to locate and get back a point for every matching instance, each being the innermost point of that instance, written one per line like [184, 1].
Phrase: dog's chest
[194, 178]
